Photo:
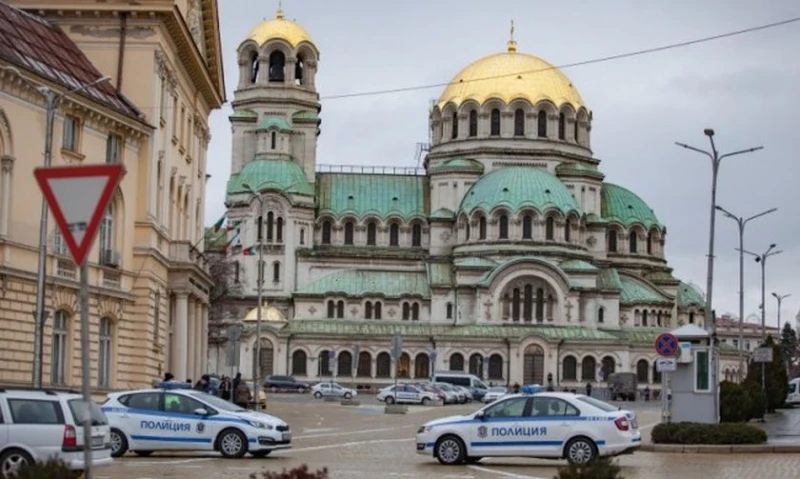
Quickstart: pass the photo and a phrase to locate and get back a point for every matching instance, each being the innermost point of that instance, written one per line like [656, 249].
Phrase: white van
[793, 398]
[459, 379]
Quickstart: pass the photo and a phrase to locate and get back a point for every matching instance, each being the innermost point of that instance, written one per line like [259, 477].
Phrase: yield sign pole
[78, 197]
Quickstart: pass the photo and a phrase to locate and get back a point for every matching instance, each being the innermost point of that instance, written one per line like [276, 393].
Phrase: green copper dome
[518, 187]
[264, 174]
[623, 206]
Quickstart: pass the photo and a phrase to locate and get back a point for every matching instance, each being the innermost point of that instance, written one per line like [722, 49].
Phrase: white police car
[543, 425]
[151, 420]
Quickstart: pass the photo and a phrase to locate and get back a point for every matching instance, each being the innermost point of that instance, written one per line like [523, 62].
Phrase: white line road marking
[350, 433]
[504, 474]
[179, 461]
[324, 429]
[344, 444]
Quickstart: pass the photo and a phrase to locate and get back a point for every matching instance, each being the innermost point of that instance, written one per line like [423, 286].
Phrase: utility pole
[780, 298]
[260, 294]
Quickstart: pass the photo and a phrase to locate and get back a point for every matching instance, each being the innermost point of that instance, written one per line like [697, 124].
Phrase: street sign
[78, 197]
[397, 347]
[667, 345]
[762, 355]
[666, 365]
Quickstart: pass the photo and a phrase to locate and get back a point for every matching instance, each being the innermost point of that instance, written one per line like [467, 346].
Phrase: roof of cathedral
[380, 195]
[457, 165]
[518, 187]
[358, 283]
[274, 121]
[280, 27]
[637, 292]
[443, 213]
[623, 206]
[577, 265]
[475, 262]
[440, 274]
[275, 174]
[688, 296]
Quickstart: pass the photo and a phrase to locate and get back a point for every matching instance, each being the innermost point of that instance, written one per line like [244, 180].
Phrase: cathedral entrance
[266, 360]
[533, 365]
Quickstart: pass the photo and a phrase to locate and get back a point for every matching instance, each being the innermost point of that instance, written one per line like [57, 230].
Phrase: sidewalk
[782, 427]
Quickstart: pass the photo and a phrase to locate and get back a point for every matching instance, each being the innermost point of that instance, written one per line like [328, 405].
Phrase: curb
[728, 449]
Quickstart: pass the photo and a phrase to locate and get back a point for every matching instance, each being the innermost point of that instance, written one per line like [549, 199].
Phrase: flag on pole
[251, 251]
[234, 225]
[218, 224]
[233, 238]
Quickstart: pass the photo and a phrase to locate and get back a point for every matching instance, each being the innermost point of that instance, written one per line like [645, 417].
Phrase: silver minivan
[459, 379]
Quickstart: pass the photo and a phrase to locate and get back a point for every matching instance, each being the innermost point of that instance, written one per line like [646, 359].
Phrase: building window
[549, 229]
[270, 226]
[527, 227]
[277, 64]
[368, 310]
[539, 305]
[406, 311]
[541, 123]
[562, 126]
[156, 318]
[236, 271]
[455, 125]
[503, 233]
[326, 232]
[302, 236]
[495, 369]
[106, 235]
[394, 235]
[104, 353]
[59, 245]
[372, 234]
[569, 368]
[70, 133]
[482, 228]
[279, 230]
[59, 348]
[466, 231]
[276, 272]
[515, 302]
[473, 123]
[612, 241]
[377, 309]
[642, 371]
[575, 132]
[650, 243]
[495, 122]
[340, 309]
[273, 140]
[299, 362]
[702, 371]
[331, 309]
[691, 318]
[299, 70]
[527, 303]
[449, 311]
[254, 64]
[588, 366]
[113, 148]
[568, 231]
[519, 122]
[259, 228]
[601, 313]
[644, 318]
[633, 242]
[416, 236]
[415, 312]
[456, 362]
[348, 233]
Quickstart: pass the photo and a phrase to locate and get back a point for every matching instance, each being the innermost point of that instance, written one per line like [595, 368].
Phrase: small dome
[281, 28]
[623, 206]
[517, 187]
[263, 174]
[268, 313]
[508, 76]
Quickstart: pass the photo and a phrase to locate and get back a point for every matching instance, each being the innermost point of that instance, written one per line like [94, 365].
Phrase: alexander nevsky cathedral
[507, 255]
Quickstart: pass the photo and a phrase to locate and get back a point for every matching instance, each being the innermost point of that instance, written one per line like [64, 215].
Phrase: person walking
[225, 388]
[235, 385]
[242, 395]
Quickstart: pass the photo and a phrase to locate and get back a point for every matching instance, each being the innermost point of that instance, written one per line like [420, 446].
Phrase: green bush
[600, 468]
[301, 472]
[50, 469]
[758, 400]
[777, 382]
[734, 403]
[713, 434]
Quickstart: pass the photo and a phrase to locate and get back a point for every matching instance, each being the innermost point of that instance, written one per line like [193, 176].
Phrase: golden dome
[281, 28]
[268, 313]
[508, 76]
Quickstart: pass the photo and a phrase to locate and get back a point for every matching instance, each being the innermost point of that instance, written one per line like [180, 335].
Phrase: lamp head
[772, 245]
[709, 132]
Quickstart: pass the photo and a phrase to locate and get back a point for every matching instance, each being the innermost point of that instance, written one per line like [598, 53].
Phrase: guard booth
[692, 392]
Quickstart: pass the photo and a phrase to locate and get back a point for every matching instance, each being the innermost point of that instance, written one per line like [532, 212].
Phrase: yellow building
[148, 277]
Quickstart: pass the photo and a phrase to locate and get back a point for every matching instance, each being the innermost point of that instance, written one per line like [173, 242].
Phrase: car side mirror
[479, 415]
[200, 412]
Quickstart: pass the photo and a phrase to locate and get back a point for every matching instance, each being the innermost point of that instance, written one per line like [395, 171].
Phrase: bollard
[350, 402]
[395, 409]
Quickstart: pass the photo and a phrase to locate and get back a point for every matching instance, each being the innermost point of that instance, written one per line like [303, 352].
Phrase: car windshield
[480, 385]
[603, 406]
[217, 403]
[498, 389]
[96, 414]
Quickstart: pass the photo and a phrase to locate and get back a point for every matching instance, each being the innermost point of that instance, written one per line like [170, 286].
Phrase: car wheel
[426, 401]
[389, 400]
[301, 390]
[260, 453]
[232, 443]
[450, 450]
[317, 394]
[347, 395]
[143, 453]
[119, 443]
[580, 450]
[12, 462]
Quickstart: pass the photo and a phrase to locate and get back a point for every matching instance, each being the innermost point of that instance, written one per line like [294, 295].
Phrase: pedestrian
[235, 385]
[225, 388]
[516, 388]
[242, 395]
[589, 389]
[168, 377]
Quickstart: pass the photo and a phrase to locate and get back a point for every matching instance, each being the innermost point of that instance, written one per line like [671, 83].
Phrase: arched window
[348, 233]
[416, 235]
[394, 235]
[601, 313]
[259, 228]
[612, 241]
[549, 228]
[344, 366]
[650, 243]
[383, 365]
[273, 140]
[331, 309]
[270, 226]
[527, 303]
[299, 70]
[569, 369]
[495, 366]
[656, 374]
[406, 311]
[422, 366]
[609, 366]
[642, 371]
[539, 305]
[455, 125]
[576, 132]
[633, 242]
[495, 122]
[299, 363]
[368, 310]
[476, 365]
[527, 227]
[568, 231]
[279, 230]
[324, 362]
[644, 318]
[404, 366]
[415, 312]
[372, 234]
[466, 231]
[515, 303]
[456, 362]
[364, 369]
[276, 272]
[326, 232]
[449, 311]
[519, 122]
[588, 367]
[562, 126]
[658, 319]
[106, 235]
[104, 353]
[340, 309]
[254, 64]
[473, 123]
[277, 67]
[541, 124]
[59, 348]
[302, 236]
[482, 228]
[691, 318]
[377, 310]
[503, 233]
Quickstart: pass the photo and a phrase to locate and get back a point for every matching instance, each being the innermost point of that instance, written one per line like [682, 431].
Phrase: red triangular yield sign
[78, 196]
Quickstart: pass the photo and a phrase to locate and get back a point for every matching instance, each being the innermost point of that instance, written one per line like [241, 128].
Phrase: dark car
[285, 383]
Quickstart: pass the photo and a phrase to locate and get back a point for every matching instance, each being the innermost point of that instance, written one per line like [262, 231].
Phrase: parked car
[494, 393]
[793, 397]
[285, 383]
[466, 391]
[458, 397]
[40, 424]
[405, 393]
[333, 390]
[434, 390]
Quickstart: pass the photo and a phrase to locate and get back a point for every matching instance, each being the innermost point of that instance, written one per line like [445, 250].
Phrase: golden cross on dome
[512, 43]
[280, 9]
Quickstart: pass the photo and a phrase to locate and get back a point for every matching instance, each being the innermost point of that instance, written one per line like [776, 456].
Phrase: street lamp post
[260, 293]
[780, 298]
[762, 258]
[741, 222]
[52, 99]
[711, 323]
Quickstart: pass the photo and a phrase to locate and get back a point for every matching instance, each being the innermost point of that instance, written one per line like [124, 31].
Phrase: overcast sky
[745, 87]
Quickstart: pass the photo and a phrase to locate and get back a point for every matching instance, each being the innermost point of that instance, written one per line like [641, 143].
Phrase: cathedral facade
[507, 256]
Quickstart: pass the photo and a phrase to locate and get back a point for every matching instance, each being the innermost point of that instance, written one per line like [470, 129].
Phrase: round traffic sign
[667, 345]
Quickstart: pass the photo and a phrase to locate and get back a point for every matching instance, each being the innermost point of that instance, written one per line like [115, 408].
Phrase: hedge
[714, 434]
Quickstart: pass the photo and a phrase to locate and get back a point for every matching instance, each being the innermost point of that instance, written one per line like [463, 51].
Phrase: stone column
[5, 184]
[203, 338]
[180, 337]
[200, 338]
[191, 341]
